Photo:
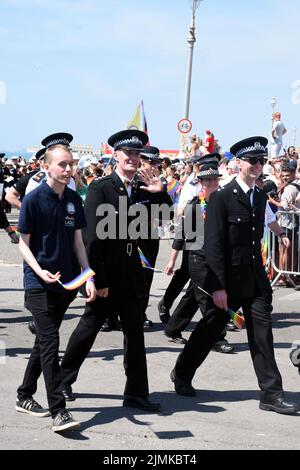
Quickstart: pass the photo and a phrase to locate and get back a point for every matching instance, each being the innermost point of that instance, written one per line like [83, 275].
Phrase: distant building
[78, 148]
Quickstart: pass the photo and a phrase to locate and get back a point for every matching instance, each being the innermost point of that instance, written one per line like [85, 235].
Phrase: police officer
[150, 160]
[50, 223]
[16, 193]
[234, 228]
[6, 226]
[190, 237]
[113, 255]
[3, 172]
[188, 306]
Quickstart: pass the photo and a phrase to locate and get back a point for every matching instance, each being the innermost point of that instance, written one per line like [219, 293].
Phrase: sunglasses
[254, 160]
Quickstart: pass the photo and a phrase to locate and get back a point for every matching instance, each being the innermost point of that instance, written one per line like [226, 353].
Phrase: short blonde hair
[48, 154]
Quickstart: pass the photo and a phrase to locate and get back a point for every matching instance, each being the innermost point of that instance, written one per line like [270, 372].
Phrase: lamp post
[191, 41]
[273, 103]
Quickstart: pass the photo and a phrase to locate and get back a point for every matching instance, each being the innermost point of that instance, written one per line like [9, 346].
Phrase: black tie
[249, 192]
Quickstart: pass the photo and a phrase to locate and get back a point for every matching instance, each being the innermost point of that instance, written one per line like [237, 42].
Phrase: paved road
[224, 415]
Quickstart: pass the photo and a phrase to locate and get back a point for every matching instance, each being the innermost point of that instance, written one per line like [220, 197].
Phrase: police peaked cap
[130, 139]
[251, 147]
[209, 158]
[59, 138]
[208, 171]
[40, 153]
[151, 153]
[2, 155]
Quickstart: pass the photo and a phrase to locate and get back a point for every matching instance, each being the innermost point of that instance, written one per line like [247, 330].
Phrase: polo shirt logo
[70, 208]
[70, 222]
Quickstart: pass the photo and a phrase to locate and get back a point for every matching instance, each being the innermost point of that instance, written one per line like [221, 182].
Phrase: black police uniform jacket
[233, 232]
[115, 259]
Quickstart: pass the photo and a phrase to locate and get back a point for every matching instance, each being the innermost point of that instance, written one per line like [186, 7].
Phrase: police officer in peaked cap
[120, 278]
[234, 227]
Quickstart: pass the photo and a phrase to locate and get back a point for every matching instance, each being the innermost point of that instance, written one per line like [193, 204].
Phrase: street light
[295, 133]
[191, 41]
[273, 104]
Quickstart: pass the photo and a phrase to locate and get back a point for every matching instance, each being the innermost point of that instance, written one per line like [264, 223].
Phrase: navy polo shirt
[51, 222]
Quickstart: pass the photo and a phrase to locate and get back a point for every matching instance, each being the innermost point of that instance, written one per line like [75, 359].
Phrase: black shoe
[231, 326]
[68, 393]
[64, 421]
[182, 387]
[105, 327]
[115, 325]
[279, 405]
[147, 323]
[178, 339]
[223, 347]
[164, 312]
[140, 403]
[31, 327]
[31, 407]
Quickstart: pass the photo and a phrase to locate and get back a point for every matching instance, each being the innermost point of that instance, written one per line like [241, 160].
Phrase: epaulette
[99, 180]
[39, 176]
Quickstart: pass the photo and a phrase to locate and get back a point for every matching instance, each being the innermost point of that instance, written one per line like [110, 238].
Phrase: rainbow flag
[203, 205]
[237, 318]
[265, 248]
[79, 280]
[173, 187]
[145, 262]
[15, 228]
[138, 121]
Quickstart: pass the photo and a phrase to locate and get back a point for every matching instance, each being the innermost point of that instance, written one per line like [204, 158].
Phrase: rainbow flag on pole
[145, 262]
[138, 121]
[237, 319]
[173, 187]
[79, 280]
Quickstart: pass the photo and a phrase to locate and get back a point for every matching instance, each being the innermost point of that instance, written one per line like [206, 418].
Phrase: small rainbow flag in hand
[237, 319]
[79, 280]
[145, 262]
[173, 187]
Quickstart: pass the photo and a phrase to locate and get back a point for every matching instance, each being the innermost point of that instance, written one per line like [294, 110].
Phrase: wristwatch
[281, 235]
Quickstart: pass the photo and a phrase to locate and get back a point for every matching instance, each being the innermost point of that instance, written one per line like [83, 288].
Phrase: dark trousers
[257, 312]
[150, 248]
[84, 335]
[183, 313]
[47, 309]
[192, 300]
[178, 281]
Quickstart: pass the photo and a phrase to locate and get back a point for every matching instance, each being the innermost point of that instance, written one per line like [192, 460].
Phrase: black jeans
[82, 339]
[47, 309]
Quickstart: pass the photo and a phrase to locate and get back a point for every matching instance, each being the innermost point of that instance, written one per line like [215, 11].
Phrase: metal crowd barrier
[289, 222]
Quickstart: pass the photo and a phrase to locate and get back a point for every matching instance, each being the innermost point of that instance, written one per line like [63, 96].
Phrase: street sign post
[184, 126]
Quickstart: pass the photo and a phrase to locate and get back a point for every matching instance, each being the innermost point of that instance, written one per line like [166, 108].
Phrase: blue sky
[83, 66]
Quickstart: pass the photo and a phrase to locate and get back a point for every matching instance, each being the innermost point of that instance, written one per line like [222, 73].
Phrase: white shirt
[124, 179]
[269, 215]
[188, 192]
[32, 183]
